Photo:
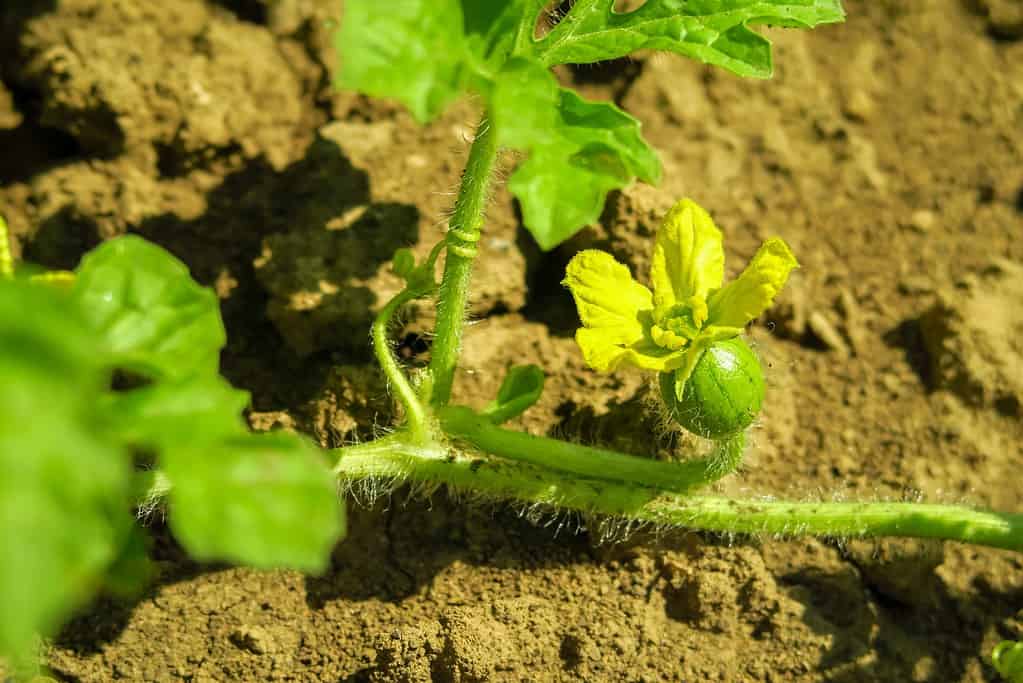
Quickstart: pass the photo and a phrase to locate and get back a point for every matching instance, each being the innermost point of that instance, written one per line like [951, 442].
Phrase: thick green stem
[393, 459]
[415, 413]
[462, 238]
[586, 461]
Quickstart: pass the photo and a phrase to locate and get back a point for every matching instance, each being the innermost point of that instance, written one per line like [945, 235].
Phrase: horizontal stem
[587, 461]
[394, 459]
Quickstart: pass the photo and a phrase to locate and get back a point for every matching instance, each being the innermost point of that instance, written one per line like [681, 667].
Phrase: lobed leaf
[579, 150]
[712, 31]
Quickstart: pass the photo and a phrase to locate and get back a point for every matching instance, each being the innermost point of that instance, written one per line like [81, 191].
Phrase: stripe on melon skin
[724, 393]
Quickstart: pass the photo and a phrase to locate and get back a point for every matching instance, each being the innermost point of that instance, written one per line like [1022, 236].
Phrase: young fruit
[722, 395]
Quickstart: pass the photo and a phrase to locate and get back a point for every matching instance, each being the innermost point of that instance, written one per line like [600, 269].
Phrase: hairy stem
[462, 238]
[596, 463]
[416, 415]
[394, 459]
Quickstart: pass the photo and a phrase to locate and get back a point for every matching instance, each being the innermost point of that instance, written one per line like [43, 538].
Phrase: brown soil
[888, 151]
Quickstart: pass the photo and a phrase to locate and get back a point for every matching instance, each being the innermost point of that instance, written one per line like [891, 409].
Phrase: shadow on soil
[106, 618]
[863, 619]
[220, 246]
[395, 548]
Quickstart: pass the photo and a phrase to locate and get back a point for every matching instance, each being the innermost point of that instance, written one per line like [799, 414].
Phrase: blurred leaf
[1007, 659]
[67, 441]
[132, 570]
[579, 150]
[64, 490]
[198, 410]
[426, 53]
[147, 312]
[265, 500]
[412, 50]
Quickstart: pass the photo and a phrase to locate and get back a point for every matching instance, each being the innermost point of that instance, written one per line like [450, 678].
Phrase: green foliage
[148, 314]
[265, 500]
[68, 440]
[713, 31]
[520, 389]
[64, 487]
[579, 150]
[427, 53]
[1007, 659]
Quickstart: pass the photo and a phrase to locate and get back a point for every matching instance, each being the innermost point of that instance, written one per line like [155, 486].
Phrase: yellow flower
[670, 328]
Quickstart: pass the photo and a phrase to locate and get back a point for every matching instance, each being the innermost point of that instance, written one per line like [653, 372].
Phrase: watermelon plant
[111, 399]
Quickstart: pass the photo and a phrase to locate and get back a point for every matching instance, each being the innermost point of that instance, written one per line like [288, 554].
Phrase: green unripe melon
[724, 393]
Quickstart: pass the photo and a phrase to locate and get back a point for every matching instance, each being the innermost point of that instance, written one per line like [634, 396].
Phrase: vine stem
[394, 459]
[596, 463]
[416, 415]
[462, 238]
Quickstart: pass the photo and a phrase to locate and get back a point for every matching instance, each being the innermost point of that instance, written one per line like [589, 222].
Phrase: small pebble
[255, 639]
[915, 284]
[859, 106]
[922, 220]
[827, 333]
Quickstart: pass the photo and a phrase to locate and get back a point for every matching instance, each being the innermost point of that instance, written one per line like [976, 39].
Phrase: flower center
[679, 325]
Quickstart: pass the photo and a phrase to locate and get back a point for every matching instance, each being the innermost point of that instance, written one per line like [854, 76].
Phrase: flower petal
[608, 299]
[742, 300]
[688, 260]
[607, 357]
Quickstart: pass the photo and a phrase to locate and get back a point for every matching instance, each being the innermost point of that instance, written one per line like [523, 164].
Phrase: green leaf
[579, 150]
[197, 411]
[495, 30]
[1007, 659]
[712, 31]
[414, 51]
[147, 313]
[521, 388]
[265, 500]
[426, 53]
[64, 490]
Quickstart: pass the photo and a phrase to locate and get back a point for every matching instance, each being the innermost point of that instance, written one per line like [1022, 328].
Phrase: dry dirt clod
[9, 116]
[973, 336]
[859, 105]
[254, 639]
[923, 220]
[1004, 18]
[854, 323]
[127, 77]
[900, 569]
